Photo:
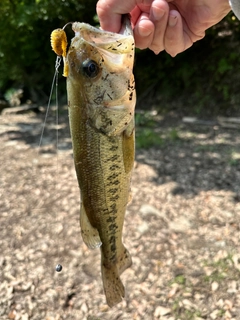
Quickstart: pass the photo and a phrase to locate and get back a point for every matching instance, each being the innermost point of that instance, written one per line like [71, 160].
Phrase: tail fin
[112, 284]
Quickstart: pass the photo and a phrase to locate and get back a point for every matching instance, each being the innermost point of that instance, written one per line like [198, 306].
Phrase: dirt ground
[182, 227]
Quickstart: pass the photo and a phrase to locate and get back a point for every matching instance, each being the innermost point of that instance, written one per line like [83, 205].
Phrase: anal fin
[90, 234]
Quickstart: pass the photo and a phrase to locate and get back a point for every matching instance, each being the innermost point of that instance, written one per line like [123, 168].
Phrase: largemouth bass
[101, 100]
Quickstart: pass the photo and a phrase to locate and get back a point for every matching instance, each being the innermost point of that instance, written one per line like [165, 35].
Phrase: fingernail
[157, 13]
[172, 21]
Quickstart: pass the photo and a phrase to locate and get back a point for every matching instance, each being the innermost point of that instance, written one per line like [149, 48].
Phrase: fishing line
[55, 79]
[67, 25]
[57, 65]
[58, 267]
[55, 43]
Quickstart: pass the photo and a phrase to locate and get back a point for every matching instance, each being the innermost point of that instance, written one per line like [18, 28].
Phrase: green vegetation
[26, 57]
[205, 78]
[187, 314]
[234, 158]
[146, 119]
[180, 279]
[149, 134]
[174, 135]
[147, 138]
[222, 268]
[202, 80]
[181, 312]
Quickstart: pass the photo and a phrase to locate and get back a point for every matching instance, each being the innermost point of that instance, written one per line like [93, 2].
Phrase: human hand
[171, 25]
[149, 19]
[188, 21]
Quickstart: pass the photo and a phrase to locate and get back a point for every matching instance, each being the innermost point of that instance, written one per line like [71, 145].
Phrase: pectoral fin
[128, 146]
[90, 234]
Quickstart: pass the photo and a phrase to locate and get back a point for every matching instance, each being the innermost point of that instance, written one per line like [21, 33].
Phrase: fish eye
[90, 68]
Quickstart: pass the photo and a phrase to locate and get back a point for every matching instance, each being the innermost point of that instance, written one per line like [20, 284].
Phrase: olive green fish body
[101, 99]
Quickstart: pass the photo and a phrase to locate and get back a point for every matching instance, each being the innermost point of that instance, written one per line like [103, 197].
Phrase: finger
[176, 38]
[135, 15]
[143, 31]
[159, 15]
[110, 13]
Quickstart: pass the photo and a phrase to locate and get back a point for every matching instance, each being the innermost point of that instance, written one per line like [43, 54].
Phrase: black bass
[101, 100]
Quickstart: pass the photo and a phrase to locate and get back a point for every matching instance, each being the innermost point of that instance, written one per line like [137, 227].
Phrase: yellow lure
[59, 46]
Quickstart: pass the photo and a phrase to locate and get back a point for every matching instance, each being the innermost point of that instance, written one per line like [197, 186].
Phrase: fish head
[100, 75]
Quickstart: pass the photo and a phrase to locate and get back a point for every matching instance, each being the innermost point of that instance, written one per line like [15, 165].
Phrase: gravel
[182, 227]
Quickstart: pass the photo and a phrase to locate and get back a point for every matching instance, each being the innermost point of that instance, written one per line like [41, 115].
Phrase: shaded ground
[182, 227]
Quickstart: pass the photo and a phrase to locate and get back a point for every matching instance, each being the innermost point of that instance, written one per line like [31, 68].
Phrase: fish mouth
[122, 42]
